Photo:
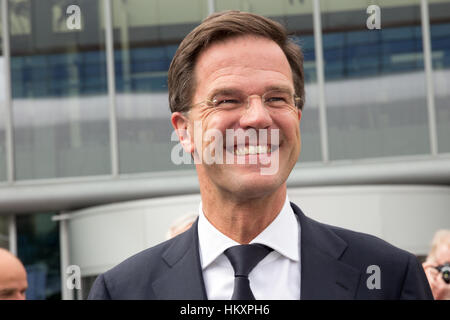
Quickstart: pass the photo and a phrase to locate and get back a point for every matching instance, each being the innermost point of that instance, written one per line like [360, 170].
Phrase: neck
[243, 219]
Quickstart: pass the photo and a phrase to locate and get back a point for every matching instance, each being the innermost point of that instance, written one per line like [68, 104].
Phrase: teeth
[242, 151]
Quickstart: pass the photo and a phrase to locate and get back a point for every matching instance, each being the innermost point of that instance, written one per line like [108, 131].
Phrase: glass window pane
[309, 125]
[440, 45]
[297, 17]
[59, 88]
[146, 36]
[4, 232]
[375, 83]
[38, 249]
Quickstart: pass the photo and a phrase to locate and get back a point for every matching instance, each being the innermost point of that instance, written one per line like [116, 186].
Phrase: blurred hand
[440, 289]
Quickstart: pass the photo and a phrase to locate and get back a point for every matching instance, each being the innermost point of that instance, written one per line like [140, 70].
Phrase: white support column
[111, 88]
[66, 293]
[8, 99]
[426, 38]
[12, 234]
[211, 6]
[320, 81]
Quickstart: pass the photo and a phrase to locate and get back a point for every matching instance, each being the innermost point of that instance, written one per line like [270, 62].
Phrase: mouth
[244, 150]
[255, 156]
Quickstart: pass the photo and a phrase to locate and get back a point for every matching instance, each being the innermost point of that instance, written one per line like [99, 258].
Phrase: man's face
[13, 279]
[245, 65]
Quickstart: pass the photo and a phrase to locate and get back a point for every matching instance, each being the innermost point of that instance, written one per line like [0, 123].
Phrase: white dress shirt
[275, 277]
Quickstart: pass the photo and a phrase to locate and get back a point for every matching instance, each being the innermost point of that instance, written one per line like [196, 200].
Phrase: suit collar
[183, 280]
[281, 235]
[323, 274]
[319, 236]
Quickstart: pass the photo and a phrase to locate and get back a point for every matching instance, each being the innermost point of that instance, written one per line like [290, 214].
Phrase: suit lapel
[323, 275]
[184, 279]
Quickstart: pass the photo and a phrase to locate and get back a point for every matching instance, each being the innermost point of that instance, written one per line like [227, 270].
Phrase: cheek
[290, 133]
[206, 117]
[217, 122]
[289, 128]
[207, 127]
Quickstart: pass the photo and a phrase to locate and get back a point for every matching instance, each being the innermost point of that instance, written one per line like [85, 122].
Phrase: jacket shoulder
[132, 278]
[364, 242]
[335, 238]
[401, 274]
[363, 249]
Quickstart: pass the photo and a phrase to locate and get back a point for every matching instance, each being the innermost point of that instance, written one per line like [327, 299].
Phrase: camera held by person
[445, 270]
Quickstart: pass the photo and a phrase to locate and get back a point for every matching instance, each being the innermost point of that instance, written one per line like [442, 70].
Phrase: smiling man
[240, 201]
[236, 92]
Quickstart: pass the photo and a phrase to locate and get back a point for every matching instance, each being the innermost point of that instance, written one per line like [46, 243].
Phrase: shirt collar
[281, 235]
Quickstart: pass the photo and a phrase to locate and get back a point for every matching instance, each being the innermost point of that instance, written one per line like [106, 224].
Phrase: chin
[255, 187]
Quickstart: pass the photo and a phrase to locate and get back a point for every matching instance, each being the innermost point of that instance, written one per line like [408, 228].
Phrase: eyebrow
[279, 88]
[6, 291]
[232, 90]
[225, 91]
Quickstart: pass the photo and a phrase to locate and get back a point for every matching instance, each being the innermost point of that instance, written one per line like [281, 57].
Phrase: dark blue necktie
[244, 258]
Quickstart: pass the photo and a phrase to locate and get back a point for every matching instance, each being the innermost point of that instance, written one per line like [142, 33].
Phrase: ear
[180, 123]
[299, 112]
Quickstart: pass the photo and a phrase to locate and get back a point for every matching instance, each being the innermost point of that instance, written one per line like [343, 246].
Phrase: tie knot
[245, 257]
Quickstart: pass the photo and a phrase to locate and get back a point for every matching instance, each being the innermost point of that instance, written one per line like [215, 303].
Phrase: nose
[256, 115]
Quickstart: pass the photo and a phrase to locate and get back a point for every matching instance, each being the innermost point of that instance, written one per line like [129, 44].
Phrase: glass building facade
[83, 94]
[4, 233]
[59, 91]
[38, 249]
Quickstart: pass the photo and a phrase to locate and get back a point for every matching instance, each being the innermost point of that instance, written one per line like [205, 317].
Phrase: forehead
[11, 269]
[240, 58]
[443, 254]
[13, 275]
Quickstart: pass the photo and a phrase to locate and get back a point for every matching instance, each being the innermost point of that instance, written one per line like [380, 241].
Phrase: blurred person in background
[437, 265]
[180, 225]
[13, 277]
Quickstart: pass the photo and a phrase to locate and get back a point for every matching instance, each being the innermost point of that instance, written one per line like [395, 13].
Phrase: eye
[6, 293]
[226, 101]
[277, 99]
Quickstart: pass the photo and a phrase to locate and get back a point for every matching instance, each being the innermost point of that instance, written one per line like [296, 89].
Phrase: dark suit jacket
[334, 264]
